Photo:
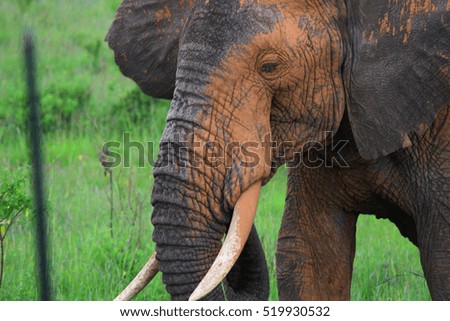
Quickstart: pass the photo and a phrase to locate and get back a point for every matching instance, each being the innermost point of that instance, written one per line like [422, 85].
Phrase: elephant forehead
[217, 30]
[221, 24]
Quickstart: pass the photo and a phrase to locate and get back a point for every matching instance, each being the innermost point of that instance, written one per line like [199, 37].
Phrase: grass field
[87, 102]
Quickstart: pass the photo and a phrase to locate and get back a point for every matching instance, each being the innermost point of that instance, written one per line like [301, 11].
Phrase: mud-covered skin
[400, 63]
[294, 71]
[410, 187]
[203, 110]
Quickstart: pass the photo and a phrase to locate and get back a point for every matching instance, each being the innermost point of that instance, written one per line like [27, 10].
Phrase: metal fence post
[35, 142]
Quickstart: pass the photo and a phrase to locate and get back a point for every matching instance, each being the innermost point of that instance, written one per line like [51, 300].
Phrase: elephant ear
[144, 37]
[399, 77]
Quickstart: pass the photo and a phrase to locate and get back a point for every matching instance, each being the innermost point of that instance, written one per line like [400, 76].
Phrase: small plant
[103, 158]
[14, 201]
[123, 249]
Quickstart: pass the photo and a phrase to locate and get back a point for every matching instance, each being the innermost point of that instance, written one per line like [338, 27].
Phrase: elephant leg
[316, 246]
[434, 246]
[315, 261]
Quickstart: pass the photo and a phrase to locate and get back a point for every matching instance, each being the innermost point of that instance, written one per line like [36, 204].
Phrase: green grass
[387, 265]
[86, 262]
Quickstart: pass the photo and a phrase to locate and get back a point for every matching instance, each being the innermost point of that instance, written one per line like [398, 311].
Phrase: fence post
[35, 142]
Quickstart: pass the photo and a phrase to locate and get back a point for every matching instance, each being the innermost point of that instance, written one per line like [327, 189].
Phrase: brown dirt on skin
[243, 95]
[410, 12]
[162, 14]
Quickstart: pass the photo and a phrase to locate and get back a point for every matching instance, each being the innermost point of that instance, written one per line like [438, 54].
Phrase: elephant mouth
[238, 232]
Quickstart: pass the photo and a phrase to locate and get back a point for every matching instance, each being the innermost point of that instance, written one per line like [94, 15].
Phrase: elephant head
[246, 76]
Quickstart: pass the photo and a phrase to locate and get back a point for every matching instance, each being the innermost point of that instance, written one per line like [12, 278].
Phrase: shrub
[62, 103]
[14, 201]
[136, 108]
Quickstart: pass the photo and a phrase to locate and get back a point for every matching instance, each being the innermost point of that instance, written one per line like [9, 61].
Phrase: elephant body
[256, 84]
[409, 187]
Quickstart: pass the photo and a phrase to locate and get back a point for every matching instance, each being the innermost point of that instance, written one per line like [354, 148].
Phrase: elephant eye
[269, 67]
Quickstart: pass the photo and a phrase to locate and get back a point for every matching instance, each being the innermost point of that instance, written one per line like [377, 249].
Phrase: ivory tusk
[240, 227]
[143, 278]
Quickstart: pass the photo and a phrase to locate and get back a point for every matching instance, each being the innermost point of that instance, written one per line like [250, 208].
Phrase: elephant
[283, 80]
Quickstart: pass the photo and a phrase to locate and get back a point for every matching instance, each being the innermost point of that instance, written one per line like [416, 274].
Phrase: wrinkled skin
[367, 72]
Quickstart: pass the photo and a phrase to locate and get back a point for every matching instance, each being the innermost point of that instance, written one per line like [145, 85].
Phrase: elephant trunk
[238, 232]
[193, 204]
[186, 251]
